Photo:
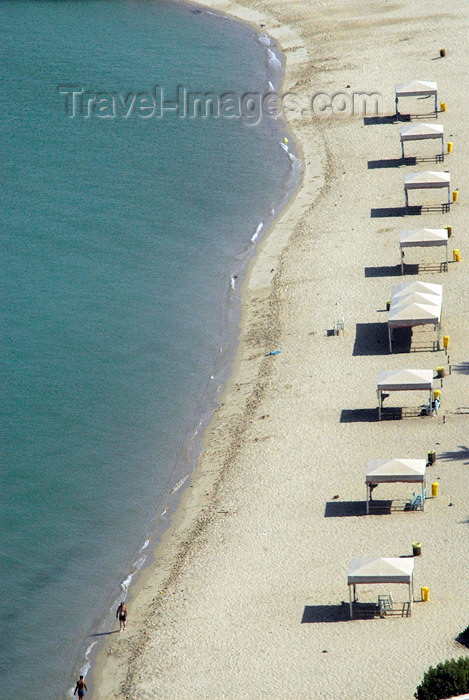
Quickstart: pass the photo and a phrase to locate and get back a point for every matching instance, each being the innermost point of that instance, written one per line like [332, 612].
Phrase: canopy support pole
[390, 338]
[402, 149]
[447, 266]
[350, 601]
[367, 499]
[402, 260]
[380, 403]
[431, 402]
[406, 196]
[436, 106]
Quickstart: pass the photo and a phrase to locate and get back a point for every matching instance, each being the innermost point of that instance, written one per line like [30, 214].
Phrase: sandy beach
[245, 596]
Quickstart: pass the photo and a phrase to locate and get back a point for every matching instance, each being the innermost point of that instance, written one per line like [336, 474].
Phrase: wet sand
[245, 598]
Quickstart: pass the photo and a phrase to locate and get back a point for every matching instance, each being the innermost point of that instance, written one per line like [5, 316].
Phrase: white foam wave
[271, 85]
[86, 666]
[233, 281]
[264, 39]
[296, 162]
[180, 483]
[126, 583]
[144, 546]
[273, 60]
[140, 562]
[256, 232]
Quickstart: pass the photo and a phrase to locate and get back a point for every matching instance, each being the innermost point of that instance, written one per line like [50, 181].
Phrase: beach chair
[417, 500]
[339, 326]
[385, 604]
[433, 406]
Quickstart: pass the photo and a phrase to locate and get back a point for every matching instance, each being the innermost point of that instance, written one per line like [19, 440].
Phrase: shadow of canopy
[344, 509]
[371, 339]
[388, 119]
[358, 415]
[461, 368]
[384, 212]
[391, 162]
[337, 613]
[390, 270]
[461, 454]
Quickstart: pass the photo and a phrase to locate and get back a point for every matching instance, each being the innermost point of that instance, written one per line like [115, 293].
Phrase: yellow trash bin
[455, 195]
[446, 341]
[436, 394]
[435, 489]
[450, 231]
[450, 146]
[443, 106]
[425, 593]
[456, 255]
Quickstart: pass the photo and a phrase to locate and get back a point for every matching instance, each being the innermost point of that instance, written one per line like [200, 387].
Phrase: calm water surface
[120, 237]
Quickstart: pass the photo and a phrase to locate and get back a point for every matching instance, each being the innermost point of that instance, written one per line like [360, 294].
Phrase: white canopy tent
[417, 88]
[415, 304]
[387, 471]
[427, 180]
[413, 314]
[404, 380]
[423, 237]
[420, 132]
[382, 570]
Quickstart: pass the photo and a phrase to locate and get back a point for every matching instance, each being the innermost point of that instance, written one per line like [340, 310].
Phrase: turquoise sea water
[118, 317]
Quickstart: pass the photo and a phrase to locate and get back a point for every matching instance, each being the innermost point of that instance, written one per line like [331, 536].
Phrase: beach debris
[334, 498]
[450, 504]
[273, 352]
[324, 651]
[285, 140]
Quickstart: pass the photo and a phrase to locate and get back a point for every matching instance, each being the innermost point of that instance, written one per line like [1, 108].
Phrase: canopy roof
[382, 570]
[416, 132]
[414, 315]
[426, 179]
[405, 379]
[423, 237]
[423, 287]
[415, 298]
[416, 87]
[391, 470]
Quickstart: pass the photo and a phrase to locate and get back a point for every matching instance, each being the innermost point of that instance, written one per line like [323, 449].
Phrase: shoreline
[252, 552]
[189, 513]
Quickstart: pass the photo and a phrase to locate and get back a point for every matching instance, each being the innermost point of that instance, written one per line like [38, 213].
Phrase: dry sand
[244, 599]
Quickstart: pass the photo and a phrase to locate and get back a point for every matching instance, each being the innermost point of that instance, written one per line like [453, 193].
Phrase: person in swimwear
[122, 615]
[81, 687]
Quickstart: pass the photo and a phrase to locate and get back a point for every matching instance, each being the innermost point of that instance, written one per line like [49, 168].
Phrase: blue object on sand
[274, 352]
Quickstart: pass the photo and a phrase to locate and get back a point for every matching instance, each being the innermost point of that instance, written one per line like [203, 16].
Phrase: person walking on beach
[81, 687]
[121, 613]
